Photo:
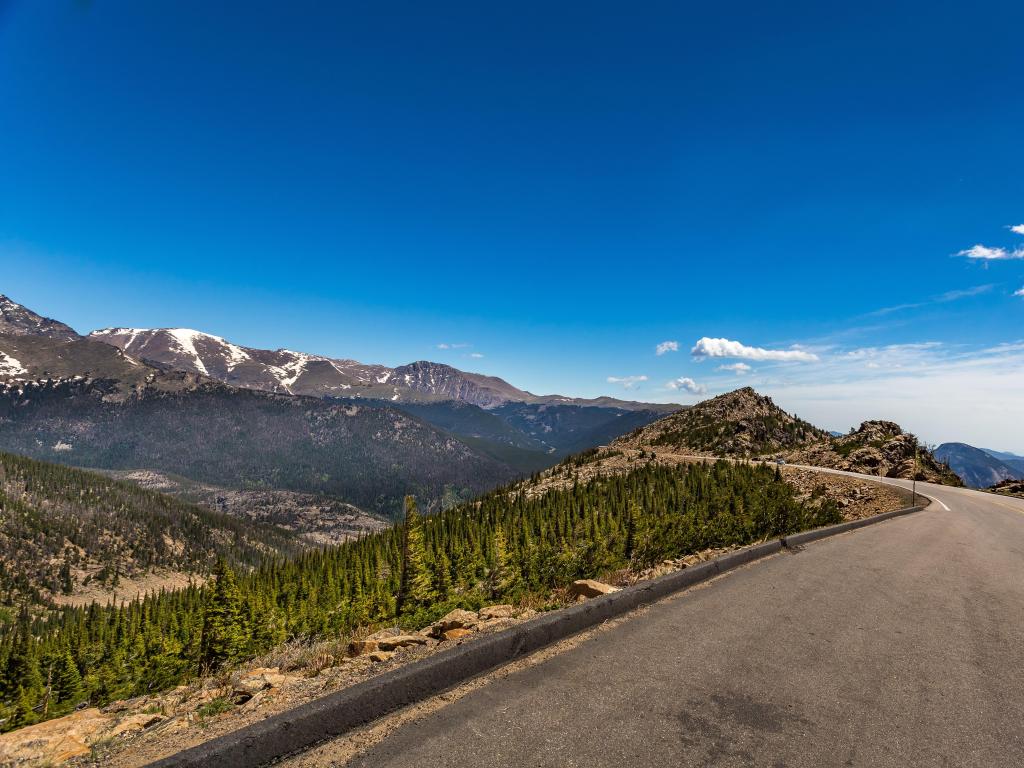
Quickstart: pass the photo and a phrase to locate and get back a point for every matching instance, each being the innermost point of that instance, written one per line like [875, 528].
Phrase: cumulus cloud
[691, 386]
[985, 253]
[707, 347]
[1019, 293]
[666, 346]
[738, 368]
[1018, 228]
[626, 382]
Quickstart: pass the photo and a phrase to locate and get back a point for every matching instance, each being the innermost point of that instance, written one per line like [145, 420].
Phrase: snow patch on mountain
[9, 366]
[186, 339]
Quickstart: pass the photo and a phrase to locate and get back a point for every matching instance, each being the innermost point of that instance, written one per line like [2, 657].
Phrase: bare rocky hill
[738, 423]
[16, 320]
[877, 448]
[746, 424]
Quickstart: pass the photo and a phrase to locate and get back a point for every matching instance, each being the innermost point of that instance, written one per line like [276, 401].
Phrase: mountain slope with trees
[505, 546]
[62, 529]
[242, 438]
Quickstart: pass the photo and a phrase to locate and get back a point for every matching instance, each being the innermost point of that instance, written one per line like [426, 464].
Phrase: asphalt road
[900, 644]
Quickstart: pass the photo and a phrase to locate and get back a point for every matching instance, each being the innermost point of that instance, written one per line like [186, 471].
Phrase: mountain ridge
[292, 372]
[978, 468]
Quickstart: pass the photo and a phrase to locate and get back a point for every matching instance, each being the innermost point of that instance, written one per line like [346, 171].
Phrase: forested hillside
[505, 546]
[243, 438]
[62, 529]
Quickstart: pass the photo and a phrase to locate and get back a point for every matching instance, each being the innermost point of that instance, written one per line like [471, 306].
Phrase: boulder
[400, 641]
[245, 685]
[362, 647]
[457, 619]
[381, 655]
[497, 612]
[483, 626]
[591, 588]
[456, 634]
[133, 723]
[55, 740]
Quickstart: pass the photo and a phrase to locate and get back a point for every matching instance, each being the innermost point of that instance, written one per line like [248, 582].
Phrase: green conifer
[224, 636]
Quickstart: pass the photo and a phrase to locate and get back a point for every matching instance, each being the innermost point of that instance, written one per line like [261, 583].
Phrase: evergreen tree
[67, 681]
[502, 578]
[414, 591]
[224, 635]
[21, 675]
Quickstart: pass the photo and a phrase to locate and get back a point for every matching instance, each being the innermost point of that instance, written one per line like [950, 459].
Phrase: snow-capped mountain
[300, 373]
[280, 370]
[16, 320]
[33, 347]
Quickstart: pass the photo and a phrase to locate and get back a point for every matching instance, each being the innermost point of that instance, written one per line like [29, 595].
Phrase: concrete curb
[804, 537]
[334, 715]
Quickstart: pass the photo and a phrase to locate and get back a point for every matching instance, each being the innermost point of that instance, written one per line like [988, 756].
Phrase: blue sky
[560, 189]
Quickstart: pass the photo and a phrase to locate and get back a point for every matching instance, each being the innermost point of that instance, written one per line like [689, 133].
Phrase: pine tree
[24, 711]
[224, 633]
[67, 681]
[442, 577]
[415, 587]
[21, 675]
[503, 578]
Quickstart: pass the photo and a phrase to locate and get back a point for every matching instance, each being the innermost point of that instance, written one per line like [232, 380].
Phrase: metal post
[914, 481]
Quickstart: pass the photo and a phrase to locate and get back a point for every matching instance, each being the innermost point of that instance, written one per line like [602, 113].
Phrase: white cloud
[691, 386]
[477, 355]
[738, 368]
[991, 254]
[1018, 228]
[626, 382]
[666, 346]
[707, 347]
[445, 345]
[1019, 293]
[943, 392]
[942, 298]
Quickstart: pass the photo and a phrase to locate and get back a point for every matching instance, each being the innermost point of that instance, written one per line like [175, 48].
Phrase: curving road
[900, 644]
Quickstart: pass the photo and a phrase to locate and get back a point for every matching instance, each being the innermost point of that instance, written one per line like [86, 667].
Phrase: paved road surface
[901, 644]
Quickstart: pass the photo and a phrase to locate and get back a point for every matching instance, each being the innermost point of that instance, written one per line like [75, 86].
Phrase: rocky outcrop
[1009, 488]
[745, 424]
[879, 448]
[591, 588]
[457, 619]
[59, 740]
[739, 423]
[497, 612]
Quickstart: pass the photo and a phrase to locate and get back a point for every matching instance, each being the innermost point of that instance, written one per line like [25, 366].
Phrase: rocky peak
[16, 320]
[871, 431]
[451, 383]
[742, 422]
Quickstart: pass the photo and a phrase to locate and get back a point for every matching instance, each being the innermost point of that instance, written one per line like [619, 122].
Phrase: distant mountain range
[979, 467]
[299, 373]
[193, 404]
